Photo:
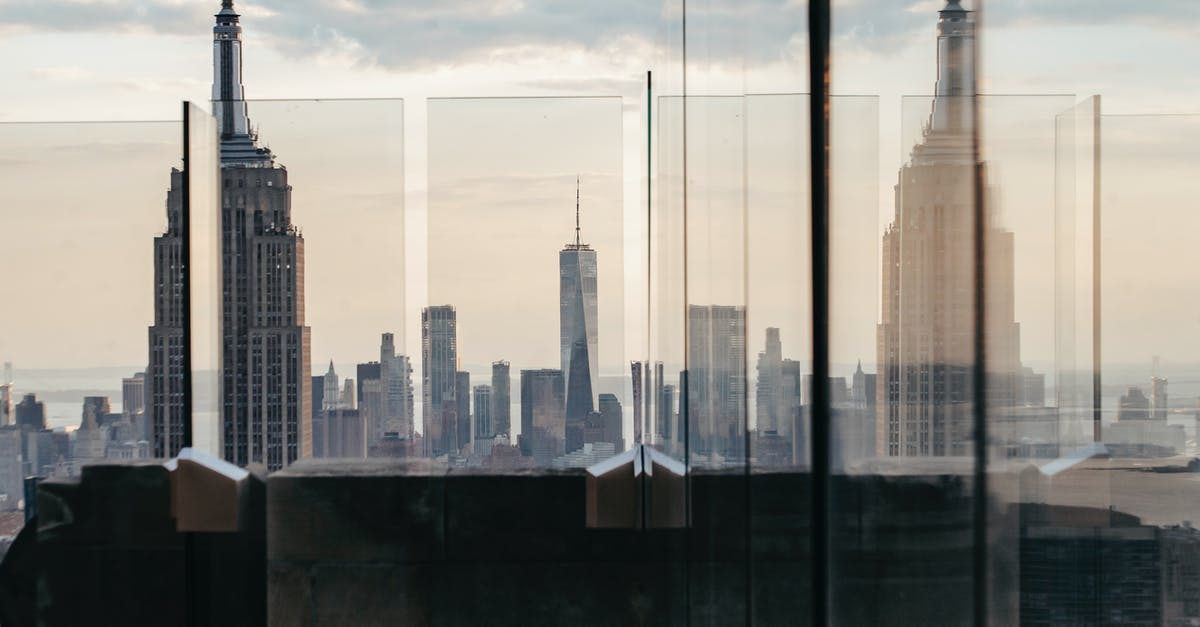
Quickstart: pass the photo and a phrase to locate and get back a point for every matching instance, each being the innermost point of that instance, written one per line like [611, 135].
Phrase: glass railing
[84, 217]
[315, 355]
[618, 294]
[523, 330]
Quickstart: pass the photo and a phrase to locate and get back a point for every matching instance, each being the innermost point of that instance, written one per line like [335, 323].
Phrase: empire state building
[266, 405]
[266, 412]
[926, 334]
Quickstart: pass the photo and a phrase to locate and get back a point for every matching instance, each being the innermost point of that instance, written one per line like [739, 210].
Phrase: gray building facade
[439, 368]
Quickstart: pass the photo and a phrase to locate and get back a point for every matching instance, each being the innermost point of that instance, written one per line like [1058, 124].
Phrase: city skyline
[593, 285]
[1027, 302]
[752, 336]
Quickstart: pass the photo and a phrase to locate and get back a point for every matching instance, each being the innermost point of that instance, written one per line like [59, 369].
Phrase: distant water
[63, 389]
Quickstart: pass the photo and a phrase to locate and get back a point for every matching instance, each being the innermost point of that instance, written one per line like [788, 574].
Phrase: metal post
[818, 80]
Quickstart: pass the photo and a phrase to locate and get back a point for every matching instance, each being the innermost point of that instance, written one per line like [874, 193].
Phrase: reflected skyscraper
[716, 382]
[926, 335]
[266, 412]
[577, 329]
[769, 385]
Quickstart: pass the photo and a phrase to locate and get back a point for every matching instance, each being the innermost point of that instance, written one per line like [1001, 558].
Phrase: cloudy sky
[129, 59]
[136, 59]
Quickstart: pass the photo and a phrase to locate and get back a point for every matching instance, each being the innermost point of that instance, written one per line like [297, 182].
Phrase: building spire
[577, 241]
[229, 100]
[955, 86]
[238, 140]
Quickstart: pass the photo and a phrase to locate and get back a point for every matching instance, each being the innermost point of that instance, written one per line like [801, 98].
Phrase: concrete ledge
[401, 542]
[108, 553]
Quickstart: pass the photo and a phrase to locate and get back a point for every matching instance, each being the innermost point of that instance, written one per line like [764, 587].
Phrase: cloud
[151, 16]
[1174, 15]
[419, 34]
[63, 74]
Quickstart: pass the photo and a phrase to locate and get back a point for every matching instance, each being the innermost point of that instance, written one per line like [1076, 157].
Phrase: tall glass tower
[577, 331]
[439, 378]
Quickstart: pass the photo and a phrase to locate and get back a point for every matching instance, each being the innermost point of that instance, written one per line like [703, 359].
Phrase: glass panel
[202, 211]
[716, 282]
[779, 279]
[1074, 389]
[84, 204]
[1149, 322]
[1019, 143]
[1030, 280]
[854, 278]
[1120, 513]
[523, 360]
[667, 277]
[911, 503]
[342, 162]
[339, 293]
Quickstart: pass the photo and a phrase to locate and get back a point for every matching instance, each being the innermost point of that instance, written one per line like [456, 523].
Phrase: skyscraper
[610, 418]
[667, 419]
[6, 395]
[31, 413]
[1158, 398]
[462, 409]
[636, 369]
[330, 396]
[320, 426]
[1133, 405]
[483, 412]
[791, 414]
[133, 402]
[501, 398]
[325, 410]
[370, 406]
[543, 427]
[266, 412]
[266, 404]
[439, 367]
[164, 373]
[348, 398]
[926, 335]
[768, 386]
[395, 375]
[577, 325]
[716, 382]
[366, 372]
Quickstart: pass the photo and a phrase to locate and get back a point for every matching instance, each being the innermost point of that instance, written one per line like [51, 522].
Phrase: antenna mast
[577, 244]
